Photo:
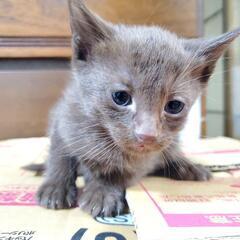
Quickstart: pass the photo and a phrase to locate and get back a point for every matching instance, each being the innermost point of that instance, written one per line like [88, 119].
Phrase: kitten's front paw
[189, 171]
[57, 196]
[101, 200]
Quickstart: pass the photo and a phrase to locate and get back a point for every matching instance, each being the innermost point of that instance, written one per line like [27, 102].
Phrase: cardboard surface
[22, 219]
[163, 209]
[219, 154]
[185, 210]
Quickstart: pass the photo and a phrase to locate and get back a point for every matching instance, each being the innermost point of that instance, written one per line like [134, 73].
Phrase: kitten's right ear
[87, 29]
[210, 50]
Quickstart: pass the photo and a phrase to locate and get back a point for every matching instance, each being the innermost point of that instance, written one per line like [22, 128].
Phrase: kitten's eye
[174, 107]
[122, 98]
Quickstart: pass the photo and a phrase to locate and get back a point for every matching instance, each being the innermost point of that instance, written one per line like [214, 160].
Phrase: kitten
[131, 91]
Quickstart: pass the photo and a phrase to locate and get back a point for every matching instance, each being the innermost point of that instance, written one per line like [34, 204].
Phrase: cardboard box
[166, 209]
[22, 219]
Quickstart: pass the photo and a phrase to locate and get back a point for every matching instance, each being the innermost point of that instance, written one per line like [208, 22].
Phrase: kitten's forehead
[145, 48]
[150, 40]
[148, 59]
[148, 47]
[155, 55]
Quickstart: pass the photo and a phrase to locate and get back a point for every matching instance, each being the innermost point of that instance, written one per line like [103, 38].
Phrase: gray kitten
[131, 91]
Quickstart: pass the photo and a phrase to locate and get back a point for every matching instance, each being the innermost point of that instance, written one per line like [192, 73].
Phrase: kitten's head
[139, 82]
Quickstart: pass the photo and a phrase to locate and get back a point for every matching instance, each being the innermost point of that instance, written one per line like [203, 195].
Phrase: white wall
[192, 131]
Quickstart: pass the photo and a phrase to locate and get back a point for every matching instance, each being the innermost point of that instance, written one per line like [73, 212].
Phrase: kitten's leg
[178, 167]
[59, 188]
[100, 197]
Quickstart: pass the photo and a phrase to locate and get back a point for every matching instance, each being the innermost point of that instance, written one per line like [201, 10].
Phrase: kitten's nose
[146, 138]
[146, 127]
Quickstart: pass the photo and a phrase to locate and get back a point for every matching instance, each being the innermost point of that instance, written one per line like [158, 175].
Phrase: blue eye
[174, 107]
[122, 98]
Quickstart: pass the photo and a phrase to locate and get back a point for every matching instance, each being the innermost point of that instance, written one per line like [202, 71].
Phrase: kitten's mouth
[142, 147]
[136, 147]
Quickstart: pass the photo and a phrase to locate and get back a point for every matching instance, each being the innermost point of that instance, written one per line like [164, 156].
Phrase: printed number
[101, 236]
[79, 234]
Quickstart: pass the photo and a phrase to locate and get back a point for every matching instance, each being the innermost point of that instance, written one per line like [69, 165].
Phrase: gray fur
[91, 135]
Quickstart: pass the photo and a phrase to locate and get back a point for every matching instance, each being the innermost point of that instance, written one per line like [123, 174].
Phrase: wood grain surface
[25, 100]
[33, 47]
[180, 16]
[45, 18]
[48, 19]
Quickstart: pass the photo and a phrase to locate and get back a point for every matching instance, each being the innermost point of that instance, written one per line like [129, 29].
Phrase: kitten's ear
[209, 51]
[87, 29]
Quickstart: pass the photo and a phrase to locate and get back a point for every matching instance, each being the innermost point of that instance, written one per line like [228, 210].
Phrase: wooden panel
[25, 100]
[180, 16]
[45, 18]
[34, 47]
[48, 20]
[35, 52]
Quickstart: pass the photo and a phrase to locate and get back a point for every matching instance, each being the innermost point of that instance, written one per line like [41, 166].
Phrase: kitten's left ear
[209, 51]
[87, 29]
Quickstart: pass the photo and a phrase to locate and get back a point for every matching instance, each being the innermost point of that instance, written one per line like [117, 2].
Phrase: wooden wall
[40, 28]
[25, 100]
